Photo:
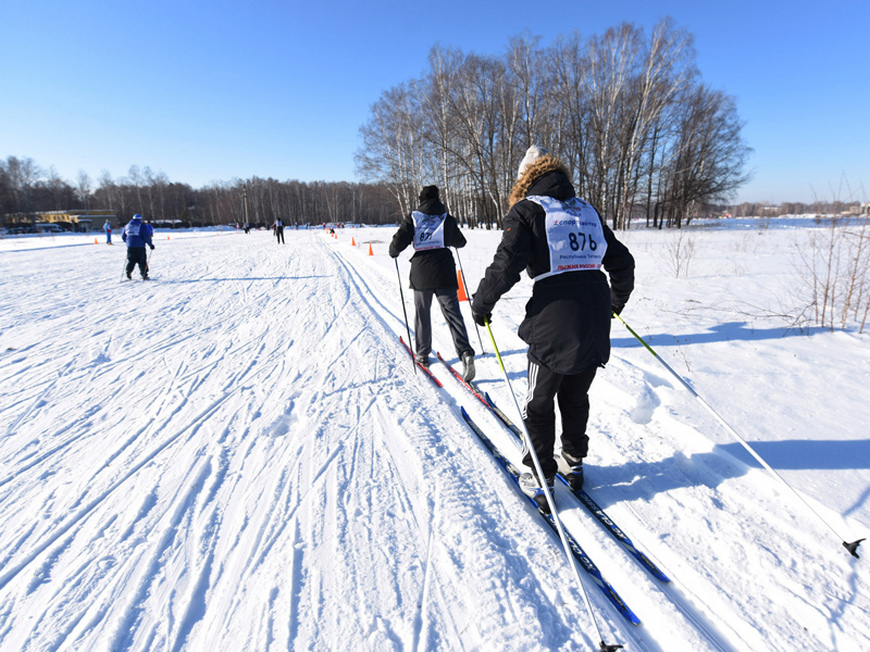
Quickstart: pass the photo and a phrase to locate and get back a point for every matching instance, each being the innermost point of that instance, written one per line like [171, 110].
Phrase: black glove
[480, 318]
[616, 303]
[152, 247]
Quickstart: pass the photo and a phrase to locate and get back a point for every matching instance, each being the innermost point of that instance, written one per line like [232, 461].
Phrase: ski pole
[527, 443]
[404, 311]
[462, 272]
[851, 547]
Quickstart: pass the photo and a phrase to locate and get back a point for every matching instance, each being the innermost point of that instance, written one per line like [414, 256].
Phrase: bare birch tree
[625, 112]
[83, 188]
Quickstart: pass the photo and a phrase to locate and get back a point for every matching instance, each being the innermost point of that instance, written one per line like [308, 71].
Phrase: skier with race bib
[137, 235]
[431, 229]
[563, 244]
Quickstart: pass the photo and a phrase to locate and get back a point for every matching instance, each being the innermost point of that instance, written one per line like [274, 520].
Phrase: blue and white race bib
[575, 237]
[428, 231]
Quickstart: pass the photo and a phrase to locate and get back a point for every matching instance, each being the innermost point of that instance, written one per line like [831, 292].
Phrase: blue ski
[585, 499]
[578, 552]
[594, 508]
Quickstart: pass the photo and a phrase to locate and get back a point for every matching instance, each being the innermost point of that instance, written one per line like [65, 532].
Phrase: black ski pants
[540, 417]
[137, 256]
[449, 303]
[279, 234]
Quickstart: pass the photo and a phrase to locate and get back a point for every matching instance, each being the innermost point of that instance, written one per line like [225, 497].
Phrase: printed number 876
[581, 245]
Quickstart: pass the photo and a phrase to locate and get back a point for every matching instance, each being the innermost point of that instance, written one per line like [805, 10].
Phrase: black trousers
[449, 303]
[540, 417]
[279, 234]
[137, 256]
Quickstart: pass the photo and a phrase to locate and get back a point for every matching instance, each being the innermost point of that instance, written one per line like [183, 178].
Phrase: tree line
[641, 133]
[27, 189]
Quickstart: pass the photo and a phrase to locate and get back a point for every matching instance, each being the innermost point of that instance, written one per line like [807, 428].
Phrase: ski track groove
[85, 511]
[289, 517]
[331, 374]
[40, 399]
[131, 441]
[426, 540]
[165, 395]
[487, 553]
[134, 610]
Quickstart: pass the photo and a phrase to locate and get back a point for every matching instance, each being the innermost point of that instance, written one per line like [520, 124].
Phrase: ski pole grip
[494, 347]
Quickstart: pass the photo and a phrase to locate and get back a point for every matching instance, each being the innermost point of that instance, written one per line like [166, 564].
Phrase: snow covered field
[238, 455]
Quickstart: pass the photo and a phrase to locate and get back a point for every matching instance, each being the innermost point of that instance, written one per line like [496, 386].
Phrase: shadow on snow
[727, 332]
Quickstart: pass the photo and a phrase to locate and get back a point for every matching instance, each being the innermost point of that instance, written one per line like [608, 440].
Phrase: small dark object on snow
[853, 547]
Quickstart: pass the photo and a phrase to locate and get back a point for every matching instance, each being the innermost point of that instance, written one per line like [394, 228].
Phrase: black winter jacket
[567, 323]
[432, 269]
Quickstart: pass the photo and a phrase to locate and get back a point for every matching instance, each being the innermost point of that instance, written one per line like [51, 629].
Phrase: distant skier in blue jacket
[137, 235]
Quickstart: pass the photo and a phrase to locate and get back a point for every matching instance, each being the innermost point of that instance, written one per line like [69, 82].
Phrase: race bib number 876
[575, 237]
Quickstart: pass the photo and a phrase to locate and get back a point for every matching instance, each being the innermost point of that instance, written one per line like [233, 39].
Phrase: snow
[238, 455]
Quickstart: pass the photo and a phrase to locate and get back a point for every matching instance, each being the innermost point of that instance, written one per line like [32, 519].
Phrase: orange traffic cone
[460, 293]
[167, 237]
[353, 242]
[95, 241]
[371, 253]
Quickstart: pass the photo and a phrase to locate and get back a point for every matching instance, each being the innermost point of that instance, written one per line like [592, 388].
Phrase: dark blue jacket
[136, 234]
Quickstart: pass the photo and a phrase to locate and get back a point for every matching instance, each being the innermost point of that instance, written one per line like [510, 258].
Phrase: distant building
[69, 220]
[865, 209]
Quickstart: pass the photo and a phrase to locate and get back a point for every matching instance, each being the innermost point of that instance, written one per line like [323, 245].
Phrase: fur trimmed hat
[429, 192]
[533, 171]
[533, 153]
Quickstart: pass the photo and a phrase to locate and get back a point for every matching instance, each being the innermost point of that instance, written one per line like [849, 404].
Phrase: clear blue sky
[214, 90]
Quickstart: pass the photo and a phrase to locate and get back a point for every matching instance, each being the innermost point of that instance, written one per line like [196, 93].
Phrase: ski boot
[468, 364]
[572, 469]
[533, 489]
